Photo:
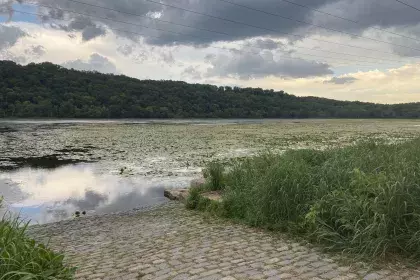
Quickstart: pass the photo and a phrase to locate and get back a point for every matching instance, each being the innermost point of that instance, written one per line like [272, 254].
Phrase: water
[51, 169]
[48, 195]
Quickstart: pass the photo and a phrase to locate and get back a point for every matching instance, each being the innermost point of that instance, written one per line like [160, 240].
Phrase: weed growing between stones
[363, 199]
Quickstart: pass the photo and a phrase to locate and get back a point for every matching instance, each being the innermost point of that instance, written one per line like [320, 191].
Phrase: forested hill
[48, 90]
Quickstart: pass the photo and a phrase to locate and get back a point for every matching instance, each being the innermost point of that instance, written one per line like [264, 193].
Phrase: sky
[341, 49]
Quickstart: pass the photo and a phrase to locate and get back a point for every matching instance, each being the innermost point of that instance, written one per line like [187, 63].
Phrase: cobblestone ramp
[169, 242]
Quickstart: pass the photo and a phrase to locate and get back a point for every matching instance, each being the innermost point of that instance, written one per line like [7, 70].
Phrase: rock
[176, 194]
[196, 183]
[182, 194]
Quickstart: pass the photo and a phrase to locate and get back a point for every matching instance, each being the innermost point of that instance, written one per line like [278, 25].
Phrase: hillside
[48, 90]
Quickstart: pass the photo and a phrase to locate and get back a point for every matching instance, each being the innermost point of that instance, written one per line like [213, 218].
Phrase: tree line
[47, 90]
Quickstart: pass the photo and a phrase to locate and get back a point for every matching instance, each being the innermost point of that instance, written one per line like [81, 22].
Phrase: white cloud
[341, 80]
[96, 62]
[396, 85]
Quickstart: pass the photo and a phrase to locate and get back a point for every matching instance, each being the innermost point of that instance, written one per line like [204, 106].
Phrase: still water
[49, 169]
[48, 195]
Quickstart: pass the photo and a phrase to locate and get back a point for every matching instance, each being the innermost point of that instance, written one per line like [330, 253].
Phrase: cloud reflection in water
[50, 195]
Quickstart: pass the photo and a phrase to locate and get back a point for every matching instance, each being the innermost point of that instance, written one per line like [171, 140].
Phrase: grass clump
[196, 201]
[362, 199]
[24, 259]
[214, 175]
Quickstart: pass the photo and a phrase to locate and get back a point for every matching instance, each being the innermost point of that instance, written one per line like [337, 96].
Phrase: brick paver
[170, 242]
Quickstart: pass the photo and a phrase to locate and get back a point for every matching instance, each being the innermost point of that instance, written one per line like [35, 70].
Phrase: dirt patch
[214, 196]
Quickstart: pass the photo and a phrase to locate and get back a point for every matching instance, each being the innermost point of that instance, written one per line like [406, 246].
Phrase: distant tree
[48, 90]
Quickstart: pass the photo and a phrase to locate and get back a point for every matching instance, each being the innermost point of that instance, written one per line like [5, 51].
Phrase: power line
[349, 20]
[246, 51]
[120, 21]
[200, 37]
[408, 5]
[189, 26]
[354, 55]
[149, 17]
[236, 50]
[224, 49]
[319, 26]
[262, 28]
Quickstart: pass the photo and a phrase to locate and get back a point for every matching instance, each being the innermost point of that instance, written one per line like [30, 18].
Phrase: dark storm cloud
[9, 35]
[341, 81]
[384, 14]
[269, 25]
[88, 28]
[188, 35]
[372, 13]
[401, 21]
[91, 32]
[92, 20]
[96, 62]
[249, 66]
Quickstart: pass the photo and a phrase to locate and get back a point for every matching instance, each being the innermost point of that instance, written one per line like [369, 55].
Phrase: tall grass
[214, 175]
[363, 199]
[24, 259]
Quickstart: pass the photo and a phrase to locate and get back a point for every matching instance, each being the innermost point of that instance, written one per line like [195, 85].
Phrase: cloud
[141, 13]
[125, 49]
[341, 80]
[7, 8]
[367, 14]
[90, 201]
[397, 85]
[9, 35]
[264, 44]
[35, 51]
[192, 72]
[7, 55]
[167, 57]
[96, 62]
[91, 32]
[251, 66]
[388, 21]
[89, 29]
[133, 200]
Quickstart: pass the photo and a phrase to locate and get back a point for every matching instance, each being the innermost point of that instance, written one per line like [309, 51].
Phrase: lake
[51, 169]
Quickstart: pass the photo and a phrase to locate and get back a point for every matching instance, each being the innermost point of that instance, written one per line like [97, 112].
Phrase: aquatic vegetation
[46, 162]
[363, 199]
[153, 149]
